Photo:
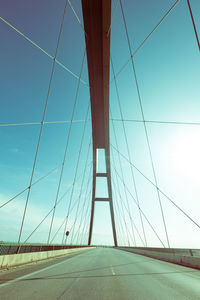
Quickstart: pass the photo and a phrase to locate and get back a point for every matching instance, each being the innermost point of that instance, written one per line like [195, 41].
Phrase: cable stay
[140, 209]
[39, 123]
[126, 197]
[65, 219]
[144, 41]
[157, 122]
[136, 202]
[128, 151]
[163, 193]
[72, 229]
[82, 215]
[34, 183]
[76, 170]
[44, 51]
[58, 202]
[119, 223]
[128, 211]
[113, 17]
[121, 214]
[80, 193]
[77, 18]
[193, 23]
[43, 117]
[145, 128]
[127, 232]
[67, 143]
[85, 228]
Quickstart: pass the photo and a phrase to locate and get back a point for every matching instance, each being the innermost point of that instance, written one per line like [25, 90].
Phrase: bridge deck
[103, 273]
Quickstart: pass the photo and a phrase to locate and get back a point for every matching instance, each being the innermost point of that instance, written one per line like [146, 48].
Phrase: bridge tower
[97, 21]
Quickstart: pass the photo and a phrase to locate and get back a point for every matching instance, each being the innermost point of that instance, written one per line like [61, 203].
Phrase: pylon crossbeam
[101, 174]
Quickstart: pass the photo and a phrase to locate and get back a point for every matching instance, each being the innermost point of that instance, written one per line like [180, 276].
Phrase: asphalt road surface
[104, 274]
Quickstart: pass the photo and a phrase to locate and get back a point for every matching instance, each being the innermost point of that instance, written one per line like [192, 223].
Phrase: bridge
[100, 150]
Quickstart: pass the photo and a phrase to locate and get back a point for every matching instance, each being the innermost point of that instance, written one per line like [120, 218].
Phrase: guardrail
[12, 260]
[6, 249]
[181, 256]
[182, 251]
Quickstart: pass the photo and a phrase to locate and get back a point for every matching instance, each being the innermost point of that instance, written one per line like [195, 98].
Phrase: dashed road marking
[112, 270]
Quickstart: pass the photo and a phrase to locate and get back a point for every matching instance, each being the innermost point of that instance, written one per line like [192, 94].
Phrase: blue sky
[167, 68]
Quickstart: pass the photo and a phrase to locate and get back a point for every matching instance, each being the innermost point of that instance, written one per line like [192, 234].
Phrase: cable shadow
[90, 270]
[109, 275]
[106, 267]
[61, 277]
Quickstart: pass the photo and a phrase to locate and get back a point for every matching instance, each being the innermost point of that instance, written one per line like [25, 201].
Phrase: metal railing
[178, 251]
[17, 248]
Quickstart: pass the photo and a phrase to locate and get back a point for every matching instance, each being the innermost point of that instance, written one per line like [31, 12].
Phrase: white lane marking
[112, 270]
[30, 274]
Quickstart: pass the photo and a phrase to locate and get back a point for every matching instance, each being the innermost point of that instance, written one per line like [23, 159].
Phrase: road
[101, 274]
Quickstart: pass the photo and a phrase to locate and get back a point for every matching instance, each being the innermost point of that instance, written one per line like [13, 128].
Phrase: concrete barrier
[7, 261]
[183, 257]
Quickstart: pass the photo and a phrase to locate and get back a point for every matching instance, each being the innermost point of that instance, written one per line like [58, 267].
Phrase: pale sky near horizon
[168, 72]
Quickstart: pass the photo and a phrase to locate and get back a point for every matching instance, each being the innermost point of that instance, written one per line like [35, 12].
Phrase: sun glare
[186, 153]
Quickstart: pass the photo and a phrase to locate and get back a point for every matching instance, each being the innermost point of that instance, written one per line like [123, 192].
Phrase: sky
[168, 70]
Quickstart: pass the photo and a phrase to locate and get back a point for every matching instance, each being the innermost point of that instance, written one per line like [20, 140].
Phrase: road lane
[106, 273]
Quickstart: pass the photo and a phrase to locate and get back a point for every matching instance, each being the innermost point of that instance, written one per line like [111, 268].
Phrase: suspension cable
[128, 211]
[73, 225]
[158, 122]
[121, 169]
[71, 196]
[194, 26]
[119, 224]
[41, 49]
[121, 215]
[77, 18]
[39, 123]
[148, 36]
[66, 147]
[144, 124]
[87, 186]
[38, 180]
[124, 219]
[113, 17]
[76, 170]
[87, 214]
[74, 205]
[128, 151]
[141, 210]
[60, 199]
[128, 207]
[81, 212]
[164, 194]
[128, 234]
[43, 117]
[80, 193]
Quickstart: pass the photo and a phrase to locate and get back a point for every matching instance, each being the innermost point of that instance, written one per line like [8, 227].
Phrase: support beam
[101, 174]
[97, 20]
[102, 199]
